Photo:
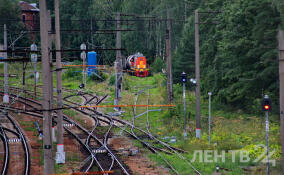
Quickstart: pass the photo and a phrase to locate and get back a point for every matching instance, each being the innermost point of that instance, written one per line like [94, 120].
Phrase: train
[136, 65]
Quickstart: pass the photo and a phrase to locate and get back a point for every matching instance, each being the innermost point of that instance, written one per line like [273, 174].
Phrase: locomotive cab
[141, 67]
[137, 64]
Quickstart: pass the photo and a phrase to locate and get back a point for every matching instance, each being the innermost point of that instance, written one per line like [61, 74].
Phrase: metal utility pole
[281, 90]
[209, 117]
[184, 80]
[46, 71]
[169, 59]
[6, 96]
[197, 77]
[118, 64]
[60, 154]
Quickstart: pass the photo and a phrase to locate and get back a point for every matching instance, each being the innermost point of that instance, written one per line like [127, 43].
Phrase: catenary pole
[60, 158]
[50, 40]
[197, 76]
[169, 59]
[118, 63]
[47, 142]
[281, 90]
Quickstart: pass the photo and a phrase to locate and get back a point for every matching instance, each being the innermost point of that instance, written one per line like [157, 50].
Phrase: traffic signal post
[266, 106]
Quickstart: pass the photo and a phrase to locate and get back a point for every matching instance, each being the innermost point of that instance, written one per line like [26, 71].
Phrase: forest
[238, 40]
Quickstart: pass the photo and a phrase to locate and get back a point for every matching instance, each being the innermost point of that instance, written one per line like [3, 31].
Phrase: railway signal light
[81, 86]
[83, 47]
[183, 77]
[266, 103]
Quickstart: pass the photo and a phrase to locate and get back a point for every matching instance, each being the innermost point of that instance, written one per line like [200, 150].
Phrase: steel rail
[133, 124]
[102, 115]
[66, 118]
[6, 148]
[87, 148]
[11, 131]
[24, 142]
[166, 145]
[33, 101]
[125, 123]
[106, 139]
[87, 141]
[106, 147]
[118, 120]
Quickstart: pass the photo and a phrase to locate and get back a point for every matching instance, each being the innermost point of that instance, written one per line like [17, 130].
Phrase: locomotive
[137, 65]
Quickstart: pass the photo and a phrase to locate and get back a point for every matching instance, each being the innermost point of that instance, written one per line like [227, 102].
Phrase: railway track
[85, 144]
[7, 150]
[112, 122]
[148, 134]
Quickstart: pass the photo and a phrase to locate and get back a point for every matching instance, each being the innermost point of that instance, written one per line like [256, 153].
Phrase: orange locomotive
[137, 64]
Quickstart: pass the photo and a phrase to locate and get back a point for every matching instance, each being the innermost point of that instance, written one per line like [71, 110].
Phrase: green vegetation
[238, 56]
[231, 131]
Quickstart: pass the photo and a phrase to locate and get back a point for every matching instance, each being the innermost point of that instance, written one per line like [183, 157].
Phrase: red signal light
[266, 107]
[266, 103]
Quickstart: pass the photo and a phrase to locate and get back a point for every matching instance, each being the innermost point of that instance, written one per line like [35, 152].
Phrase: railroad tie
[68, 124]
[14, 140]
[99, 151]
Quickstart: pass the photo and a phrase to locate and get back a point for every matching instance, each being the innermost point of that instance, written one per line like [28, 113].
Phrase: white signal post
[6, 96]
[267, 141]
[266, 106]
[83, 47]
[34, 61]
[184, 80]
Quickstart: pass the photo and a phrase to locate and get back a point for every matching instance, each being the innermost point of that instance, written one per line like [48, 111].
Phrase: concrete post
[197, 76]
[281, 90]
[60, 154]
[47, 140]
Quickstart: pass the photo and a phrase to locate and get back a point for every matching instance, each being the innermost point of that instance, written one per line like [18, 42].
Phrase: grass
[231, 130]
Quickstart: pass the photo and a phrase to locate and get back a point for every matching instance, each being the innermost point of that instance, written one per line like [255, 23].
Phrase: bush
[111, 81]
[157, 65]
